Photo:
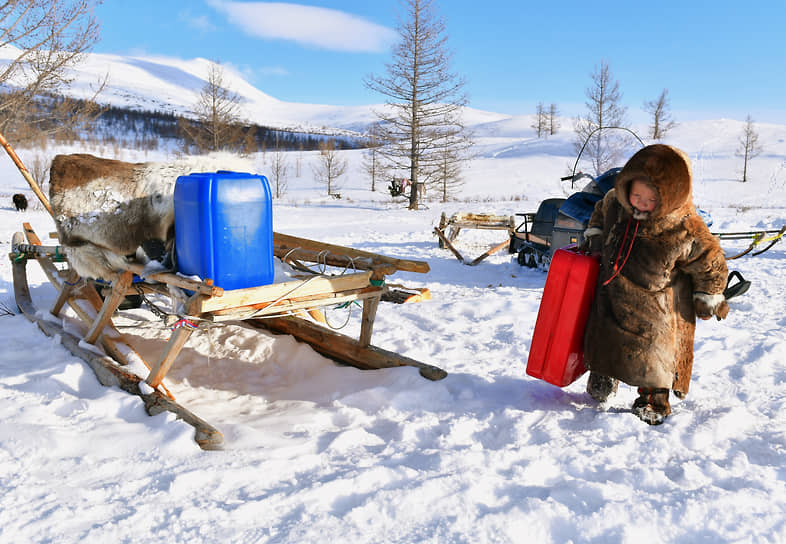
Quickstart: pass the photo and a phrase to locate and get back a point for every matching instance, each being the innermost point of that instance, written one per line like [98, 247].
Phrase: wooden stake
[491, 251]
[26, 174]
[370, 306]
[448, 244]
[110, 305]
[176, 342]
[66, 292]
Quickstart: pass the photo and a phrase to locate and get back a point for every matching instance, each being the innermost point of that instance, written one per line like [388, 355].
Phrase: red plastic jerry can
[556, 354]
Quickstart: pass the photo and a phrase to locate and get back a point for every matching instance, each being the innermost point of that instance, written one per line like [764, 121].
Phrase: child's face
[643, 198]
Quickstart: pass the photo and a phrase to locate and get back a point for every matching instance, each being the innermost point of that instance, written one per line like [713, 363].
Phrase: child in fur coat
[660, 269]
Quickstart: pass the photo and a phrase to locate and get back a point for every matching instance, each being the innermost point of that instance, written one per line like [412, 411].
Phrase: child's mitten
[708, 305]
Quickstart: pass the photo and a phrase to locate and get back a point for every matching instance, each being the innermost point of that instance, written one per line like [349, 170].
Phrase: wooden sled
[279, 307]
[449, 228]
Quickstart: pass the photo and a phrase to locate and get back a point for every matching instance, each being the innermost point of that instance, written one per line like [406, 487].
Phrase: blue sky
[716, 58]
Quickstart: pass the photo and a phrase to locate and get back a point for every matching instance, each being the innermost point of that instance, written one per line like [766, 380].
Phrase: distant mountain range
[173, 86]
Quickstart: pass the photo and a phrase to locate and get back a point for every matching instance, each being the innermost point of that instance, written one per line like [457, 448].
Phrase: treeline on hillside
[148, 130]
[143, 129]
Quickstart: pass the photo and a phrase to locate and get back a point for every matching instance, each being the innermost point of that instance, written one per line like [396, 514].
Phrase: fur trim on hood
[664, 168]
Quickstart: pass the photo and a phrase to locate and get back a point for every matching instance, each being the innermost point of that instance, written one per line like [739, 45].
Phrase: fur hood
[667, 170]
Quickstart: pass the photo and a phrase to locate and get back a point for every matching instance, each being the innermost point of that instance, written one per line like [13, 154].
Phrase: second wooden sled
[461, 220]
[278, 307]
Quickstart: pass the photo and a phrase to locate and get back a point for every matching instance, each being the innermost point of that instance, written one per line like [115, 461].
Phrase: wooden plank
[480, 218]
[342, 348]
[405, 295]
[285, 240]
[294, 256]
[532, 238]
[472, 221]
[316, 285]
[284, 306]
[480, 226]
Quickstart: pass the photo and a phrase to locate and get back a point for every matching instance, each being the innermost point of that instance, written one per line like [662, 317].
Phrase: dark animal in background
[20, 201]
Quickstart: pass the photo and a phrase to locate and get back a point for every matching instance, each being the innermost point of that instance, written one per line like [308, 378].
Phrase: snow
[317, 452]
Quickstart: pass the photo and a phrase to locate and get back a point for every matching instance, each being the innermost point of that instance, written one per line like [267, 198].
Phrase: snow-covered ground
[316, 452]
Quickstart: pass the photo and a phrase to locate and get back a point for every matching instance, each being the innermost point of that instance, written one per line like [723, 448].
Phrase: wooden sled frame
[462, 220]
[261, 306]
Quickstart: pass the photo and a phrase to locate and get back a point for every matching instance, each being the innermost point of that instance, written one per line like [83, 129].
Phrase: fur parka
[641, 325]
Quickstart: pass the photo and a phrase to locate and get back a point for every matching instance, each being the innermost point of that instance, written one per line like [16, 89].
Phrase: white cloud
[308, 25]
[200, 23]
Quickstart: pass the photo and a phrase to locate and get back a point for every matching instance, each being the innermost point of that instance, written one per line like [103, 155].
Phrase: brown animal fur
[106, 209]
[642, 323]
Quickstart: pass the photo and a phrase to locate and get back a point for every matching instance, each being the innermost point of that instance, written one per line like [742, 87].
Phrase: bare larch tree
[553, 119]
[448, 178]
[49, 38]
[662, 121]
[279, 171]
[749, 146]
[372, 158]
[540, 122]
[603, 148]
[329, 166]
[216, 114]
[424, 99]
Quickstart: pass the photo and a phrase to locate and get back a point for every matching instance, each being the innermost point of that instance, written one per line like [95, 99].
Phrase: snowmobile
[559, 222]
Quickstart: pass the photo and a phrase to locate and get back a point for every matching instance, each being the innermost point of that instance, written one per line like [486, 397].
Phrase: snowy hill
[316, 452]
[173, 85]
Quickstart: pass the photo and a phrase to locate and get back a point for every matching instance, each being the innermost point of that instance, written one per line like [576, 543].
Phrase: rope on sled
[322, 267]
[175, 321]
[321, 262]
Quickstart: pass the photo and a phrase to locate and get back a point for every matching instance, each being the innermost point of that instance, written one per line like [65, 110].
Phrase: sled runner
[758, 238]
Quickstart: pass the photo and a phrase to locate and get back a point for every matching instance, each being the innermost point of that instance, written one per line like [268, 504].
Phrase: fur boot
[652, 406]
[601, 387]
